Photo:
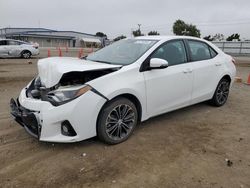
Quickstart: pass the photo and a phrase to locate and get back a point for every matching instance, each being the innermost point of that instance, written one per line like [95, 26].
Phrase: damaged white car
[108, 92]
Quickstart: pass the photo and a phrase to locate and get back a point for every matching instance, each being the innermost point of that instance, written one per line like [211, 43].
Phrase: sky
[116, 17]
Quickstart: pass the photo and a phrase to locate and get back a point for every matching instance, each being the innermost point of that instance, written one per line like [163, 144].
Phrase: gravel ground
[185, 148]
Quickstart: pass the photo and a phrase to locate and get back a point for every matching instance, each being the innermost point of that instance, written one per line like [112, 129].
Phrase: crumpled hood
[51, 70]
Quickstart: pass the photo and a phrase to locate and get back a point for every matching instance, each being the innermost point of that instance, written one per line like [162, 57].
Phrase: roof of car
[14, 40]
[10, 39]
[166, 37]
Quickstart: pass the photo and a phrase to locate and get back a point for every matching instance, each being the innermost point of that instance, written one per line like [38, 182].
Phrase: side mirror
[156, 63]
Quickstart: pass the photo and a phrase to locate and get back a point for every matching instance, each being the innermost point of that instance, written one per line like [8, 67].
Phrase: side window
[199, 50]
[3, 42]
[11, 42]
[213, 52]
[174, 52]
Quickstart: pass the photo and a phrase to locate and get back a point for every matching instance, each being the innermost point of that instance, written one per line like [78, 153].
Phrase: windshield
[123, 52]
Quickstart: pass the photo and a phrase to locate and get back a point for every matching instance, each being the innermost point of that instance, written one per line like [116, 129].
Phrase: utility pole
[139, 27]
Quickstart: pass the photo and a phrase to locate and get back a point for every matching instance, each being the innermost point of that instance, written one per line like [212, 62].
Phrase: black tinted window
[3, 42]
[199, 51]
[173, 51]
[213, 52]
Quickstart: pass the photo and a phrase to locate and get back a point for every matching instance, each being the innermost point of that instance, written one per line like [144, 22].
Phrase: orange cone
[48, 52]
[248, 81]
[60, 52]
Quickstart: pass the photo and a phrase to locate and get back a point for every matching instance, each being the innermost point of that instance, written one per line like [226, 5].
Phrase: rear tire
[221, 93]
[26, 54]
[117, 121]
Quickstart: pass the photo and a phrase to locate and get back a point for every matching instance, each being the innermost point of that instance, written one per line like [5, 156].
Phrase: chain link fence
[234, 48]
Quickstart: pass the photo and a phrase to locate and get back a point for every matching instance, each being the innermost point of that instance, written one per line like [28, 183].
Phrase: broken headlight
[63, 95]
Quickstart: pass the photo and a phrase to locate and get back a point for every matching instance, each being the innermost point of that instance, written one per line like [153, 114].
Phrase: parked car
[17, 48]
[108, 92]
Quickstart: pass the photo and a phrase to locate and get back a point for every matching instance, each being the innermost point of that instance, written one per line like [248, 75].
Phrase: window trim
[145, 64]
[209, 47]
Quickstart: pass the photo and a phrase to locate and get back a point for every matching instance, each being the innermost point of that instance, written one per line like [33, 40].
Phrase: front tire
[117, 121]
[221, 93]
[26, 54]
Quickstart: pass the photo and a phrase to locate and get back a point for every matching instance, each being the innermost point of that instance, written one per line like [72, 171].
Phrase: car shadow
[204, 106]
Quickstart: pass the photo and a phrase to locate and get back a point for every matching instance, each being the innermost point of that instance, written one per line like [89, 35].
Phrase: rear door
[205, 68]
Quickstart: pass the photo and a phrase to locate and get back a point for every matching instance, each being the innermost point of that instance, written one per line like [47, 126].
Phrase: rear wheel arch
[221, 92]
[227, 77]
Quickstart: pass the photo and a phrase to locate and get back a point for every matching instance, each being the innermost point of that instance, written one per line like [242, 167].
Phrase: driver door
[170, 88]
[13, 48]
[3, 48]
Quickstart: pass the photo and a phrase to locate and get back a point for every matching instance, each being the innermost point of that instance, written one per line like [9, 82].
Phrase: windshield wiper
[84, 57]
[99, 61]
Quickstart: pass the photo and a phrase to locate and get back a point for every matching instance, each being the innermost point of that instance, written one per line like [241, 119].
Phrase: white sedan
[108, 92]
[17, 48]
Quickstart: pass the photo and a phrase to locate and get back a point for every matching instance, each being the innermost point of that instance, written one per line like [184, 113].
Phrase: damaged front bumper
[44, 121]
[25, 118]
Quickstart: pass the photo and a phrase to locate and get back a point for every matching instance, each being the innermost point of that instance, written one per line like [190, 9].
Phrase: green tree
[101, 34]
[153, 33]
[120, 37]
[232, 37]
[218, 37]
[137, 33]
[181, 28]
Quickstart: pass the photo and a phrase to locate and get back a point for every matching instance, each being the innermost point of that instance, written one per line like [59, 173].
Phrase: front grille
[31, 123]
[25, 117]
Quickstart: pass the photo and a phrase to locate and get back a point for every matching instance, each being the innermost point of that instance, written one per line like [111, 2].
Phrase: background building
[53, 38]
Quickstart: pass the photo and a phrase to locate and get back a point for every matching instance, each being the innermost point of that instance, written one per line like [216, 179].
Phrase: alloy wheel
[26, 55]
[222, 92]
[120, 122]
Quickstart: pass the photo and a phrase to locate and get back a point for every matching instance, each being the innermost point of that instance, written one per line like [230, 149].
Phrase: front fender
[125, 81]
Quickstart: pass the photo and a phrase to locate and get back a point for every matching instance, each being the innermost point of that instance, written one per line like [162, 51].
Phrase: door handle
[218, 64]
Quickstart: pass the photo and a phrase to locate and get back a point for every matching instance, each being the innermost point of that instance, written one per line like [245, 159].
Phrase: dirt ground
[185, 148]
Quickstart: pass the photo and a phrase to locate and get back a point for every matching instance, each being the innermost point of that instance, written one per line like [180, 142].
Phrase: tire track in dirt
[20, 166]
